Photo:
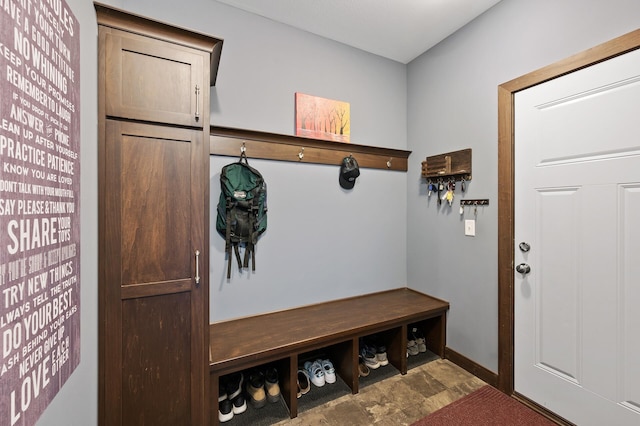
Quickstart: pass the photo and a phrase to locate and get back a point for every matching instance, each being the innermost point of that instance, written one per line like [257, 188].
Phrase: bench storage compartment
[334, 328]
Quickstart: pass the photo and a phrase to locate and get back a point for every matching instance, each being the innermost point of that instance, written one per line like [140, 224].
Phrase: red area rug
[486, 406]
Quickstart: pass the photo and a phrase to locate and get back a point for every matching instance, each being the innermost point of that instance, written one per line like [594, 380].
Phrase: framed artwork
[322, 118]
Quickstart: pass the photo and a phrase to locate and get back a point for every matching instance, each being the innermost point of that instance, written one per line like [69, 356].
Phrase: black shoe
[239, 404]
[225, 411]
[222, 390]
[234, 385]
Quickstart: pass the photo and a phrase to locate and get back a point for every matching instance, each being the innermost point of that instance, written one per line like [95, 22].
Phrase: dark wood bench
[333, 327]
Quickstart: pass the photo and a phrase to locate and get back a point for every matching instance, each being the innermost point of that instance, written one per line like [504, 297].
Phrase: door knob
[524, 247]
[523, 268]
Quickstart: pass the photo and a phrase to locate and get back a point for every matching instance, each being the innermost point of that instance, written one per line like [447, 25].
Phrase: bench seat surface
[267, 335]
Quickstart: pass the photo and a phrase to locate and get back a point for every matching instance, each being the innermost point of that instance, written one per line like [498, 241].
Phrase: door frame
[506, 139]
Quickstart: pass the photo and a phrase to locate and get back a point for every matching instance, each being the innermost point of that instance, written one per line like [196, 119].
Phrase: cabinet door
[153, 80]
[154, 285]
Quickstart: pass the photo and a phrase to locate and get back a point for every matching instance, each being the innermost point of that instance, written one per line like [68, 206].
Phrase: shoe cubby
[432, 330]
[340, 357]
[379, 354]
[420, 350]
[333, 330]
[264, 388]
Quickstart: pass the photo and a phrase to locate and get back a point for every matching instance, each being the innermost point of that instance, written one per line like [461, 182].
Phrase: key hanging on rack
[431, 187]
[451, 187]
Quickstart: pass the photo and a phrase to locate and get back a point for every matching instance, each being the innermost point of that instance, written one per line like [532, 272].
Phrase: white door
[577, 206]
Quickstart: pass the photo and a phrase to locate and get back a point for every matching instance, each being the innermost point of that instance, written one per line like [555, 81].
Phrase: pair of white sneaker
[320, 371]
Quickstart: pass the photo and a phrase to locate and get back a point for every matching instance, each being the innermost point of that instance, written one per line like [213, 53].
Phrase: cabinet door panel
[162, 323]
[153, 81]
[154, 247]
[154, 295]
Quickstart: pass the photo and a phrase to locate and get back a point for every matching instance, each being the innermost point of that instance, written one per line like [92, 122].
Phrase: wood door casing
[153, 308]
[153, 80]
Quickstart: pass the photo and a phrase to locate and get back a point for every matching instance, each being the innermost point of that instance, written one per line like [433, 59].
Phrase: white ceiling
[396, 29]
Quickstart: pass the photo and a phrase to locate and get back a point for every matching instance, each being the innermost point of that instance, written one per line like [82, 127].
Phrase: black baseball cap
[349, 171]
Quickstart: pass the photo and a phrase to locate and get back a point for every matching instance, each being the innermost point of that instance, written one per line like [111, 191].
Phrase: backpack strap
[247, 250]
[237, 251]
[227, 239]
[253, 257]
[254, 209]
[243, 156]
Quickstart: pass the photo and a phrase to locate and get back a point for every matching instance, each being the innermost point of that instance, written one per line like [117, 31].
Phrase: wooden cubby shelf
[272, 146]
[452, 165]
[334, 328]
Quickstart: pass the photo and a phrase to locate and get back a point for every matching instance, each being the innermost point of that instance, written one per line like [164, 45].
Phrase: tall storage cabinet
[153, 88]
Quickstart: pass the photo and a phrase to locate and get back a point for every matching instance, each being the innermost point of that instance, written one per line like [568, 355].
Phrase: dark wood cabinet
[153, 80]
[153, 89]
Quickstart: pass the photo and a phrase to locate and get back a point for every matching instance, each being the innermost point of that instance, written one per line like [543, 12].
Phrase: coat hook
[301, 153]
[389, 163]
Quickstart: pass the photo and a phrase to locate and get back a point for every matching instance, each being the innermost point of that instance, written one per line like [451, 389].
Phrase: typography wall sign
[39, 205]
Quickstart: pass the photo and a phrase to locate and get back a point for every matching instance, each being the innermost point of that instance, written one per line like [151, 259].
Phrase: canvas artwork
[40, 249]
[322, 118]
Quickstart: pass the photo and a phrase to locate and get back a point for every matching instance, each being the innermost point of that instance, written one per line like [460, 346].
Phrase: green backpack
[242, 210]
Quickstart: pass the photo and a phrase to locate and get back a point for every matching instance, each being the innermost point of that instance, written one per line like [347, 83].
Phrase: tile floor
[395, 400]
[385, 397]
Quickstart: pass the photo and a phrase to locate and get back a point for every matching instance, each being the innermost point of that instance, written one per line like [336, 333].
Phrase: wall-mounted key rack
[474, 204]
[450, 166]
[483, 202]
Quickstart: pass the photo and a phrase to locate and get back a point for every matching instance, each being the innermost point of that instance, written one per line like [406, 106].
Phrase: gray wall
[322, 242]
[452, 104]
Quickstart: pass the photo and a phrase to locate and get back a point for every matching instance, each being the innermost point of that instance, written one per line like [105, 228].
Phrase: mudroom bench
[288, 337]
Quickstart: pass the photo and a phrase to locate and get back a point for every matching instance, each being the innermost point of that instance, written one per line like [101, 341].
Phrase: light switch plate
[470, 227]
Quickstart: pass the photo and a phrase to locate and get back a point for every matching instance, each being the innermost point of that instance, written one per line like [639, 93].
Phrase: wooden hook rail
[228, 141]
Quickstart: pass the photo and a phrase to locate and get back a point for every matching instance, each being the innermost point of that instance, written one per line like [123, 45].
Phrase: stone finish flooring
[393, 400]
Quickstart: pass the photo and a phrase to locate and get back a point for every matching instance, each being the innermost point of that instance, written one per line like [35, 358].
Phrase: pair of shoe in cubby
[231, 399]
[257, 386]
[416, 342]
[372, 355]
[319, 372]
